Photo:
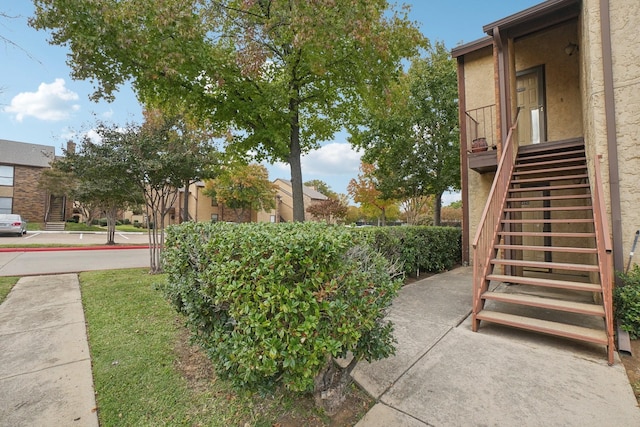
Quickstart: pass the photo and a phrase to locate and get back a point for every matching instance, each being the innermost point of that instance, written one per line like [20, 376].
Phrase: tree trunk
[437, 208]
[383, 217]
[331, 385]
[294, 163]
[111, 225]
[185, 203]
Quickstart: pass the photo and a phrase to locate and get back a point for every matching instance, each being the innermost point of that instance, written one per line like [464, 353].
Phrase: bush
[626, 300]
[126, 221]
[417, 248]
[273, 303]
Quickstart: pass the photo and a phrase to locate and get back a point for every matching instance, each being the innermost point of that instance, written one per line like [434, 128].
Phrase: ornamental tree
[364, 190]
[242, 188]
[97, 177]
[279, 75]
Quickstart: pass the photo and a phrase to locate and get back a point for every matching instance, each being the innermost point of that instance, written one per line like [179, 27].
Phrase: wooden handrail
[489, 225]
[605, 252]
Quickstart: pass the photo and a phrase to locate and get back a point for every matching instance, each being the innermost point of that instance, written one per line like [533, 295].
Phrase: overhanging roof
[24, 154]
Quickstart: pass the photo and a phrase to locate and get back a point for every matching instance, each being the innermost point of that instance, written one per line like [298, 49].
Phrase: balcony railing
[481, 141]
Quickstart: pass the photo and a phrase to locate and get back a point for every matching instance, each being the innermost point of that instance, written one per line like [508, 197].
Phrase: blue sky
[41, 104]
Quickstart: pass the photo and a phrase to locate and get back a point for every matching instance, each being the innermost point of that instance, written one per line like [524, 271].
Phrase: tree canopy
[413, 137]
[279, 75]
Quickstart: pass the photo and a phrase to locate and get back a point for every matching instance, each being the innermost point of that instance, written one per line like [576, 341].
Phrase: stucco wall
[562, 83]
[479, 92]
[625, 20]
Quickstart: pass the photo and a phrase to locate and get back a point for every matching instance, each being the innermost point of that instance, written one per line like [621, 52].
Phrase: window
[273, 218]
[5, 205]
[6, 175]
[214, 202]
[214, 217]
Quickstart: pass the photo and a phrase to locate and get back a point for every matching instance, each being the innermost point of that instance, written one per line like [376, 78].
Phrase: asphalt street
[81, 257]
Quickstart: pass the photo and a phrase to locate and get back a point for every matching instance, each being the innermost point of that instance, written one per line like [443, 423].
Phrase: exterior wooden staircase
[55, 217]
[546, 267]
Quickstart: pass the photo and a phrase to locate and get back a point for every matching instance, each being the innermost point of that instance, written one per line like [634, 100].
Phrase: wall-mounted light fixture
[571, 48]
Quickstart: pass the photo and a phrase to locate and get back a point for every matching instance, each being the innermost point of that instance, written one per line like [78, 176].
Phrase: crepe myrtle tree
[279, 75]
[96, 175]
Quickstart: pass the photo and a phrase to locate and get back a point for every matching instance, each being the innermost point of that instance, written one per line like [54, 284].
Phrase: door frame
[542, 98]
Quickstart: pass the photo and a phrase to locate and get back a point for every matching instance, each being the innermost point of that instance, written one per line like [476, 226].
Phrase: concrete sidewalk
[45, 366]
[446, 375]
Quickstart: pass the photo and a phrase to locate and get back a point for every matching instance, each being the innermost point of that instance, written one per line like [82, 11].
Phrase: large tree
[282, 75]
[413, 137]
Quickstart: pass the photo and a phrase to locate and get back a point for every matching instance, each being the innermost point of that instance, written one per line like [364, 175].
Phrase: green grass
[6, 283]
[134, 337]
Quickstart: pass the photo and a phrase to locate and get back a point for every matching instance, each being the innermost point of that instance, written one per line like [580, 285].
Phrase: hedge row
[418, 248]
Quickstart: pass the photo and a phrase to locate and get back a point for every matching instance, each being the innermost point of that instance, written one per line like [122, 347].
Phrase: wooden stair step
[544, 326]
[550, 178]
[546, 163]
[549, 171]
[549, 198]
[574, 250]
[547, 283]
[551, 208]
[562, 156]
[549, 303]
[543, 264]
[548, 187]
[547, 221]
[544, 234]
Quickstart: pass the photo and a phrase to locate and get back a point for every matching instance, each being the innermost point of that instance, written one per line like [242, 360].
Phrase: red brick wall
[28, 200]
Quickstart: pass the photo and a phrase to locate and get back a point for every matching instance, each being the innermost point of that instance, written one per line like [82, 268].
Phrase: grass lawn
[147, 374]
[6, 283]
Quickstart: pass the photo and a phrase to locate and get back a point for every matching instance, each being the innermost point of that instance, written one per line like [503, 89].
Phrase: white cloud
[52, 102]
[332, 159]
[107, 114]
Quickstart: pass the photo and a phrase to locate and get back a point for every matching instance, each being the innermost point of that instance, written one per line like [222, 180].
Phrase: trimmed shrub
[626, 300]
[273, 303]
[417, 248]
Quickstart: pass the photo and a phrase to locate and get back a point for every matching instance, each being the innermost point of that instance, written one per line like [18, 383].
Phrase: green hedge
[272, 303]
[626, 300]
[417, 248]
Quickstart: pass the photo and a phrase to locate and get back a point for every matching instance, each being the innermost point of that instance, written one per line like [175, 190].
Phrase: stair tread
[553, 328]
[543, 264]
[543, 198]
[550, 283]
[550, 303]
[549, 170]
[547, 221]
[566, 154]
[581, 159]
[551, 208]
[547, 187]
[550, 178]
[576, 250]
[544, 234]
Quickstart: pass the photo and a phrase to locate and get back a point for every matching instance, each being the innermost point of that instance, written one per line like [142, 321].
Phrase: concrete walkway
[45, 367]
[442, 375]
[446, 375]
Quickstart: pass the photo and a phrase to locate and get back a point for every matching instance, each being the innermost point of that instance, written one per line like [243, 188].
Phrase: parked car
[12, 223]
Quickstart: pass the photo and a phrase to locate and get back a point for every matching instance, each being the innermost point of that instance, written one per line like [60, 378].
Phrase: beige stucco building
[564, 75]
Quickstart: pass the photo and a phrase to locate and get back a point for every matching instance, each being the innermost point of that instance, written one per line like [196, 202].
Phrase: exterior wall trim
[464, 169]
[612, 142]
